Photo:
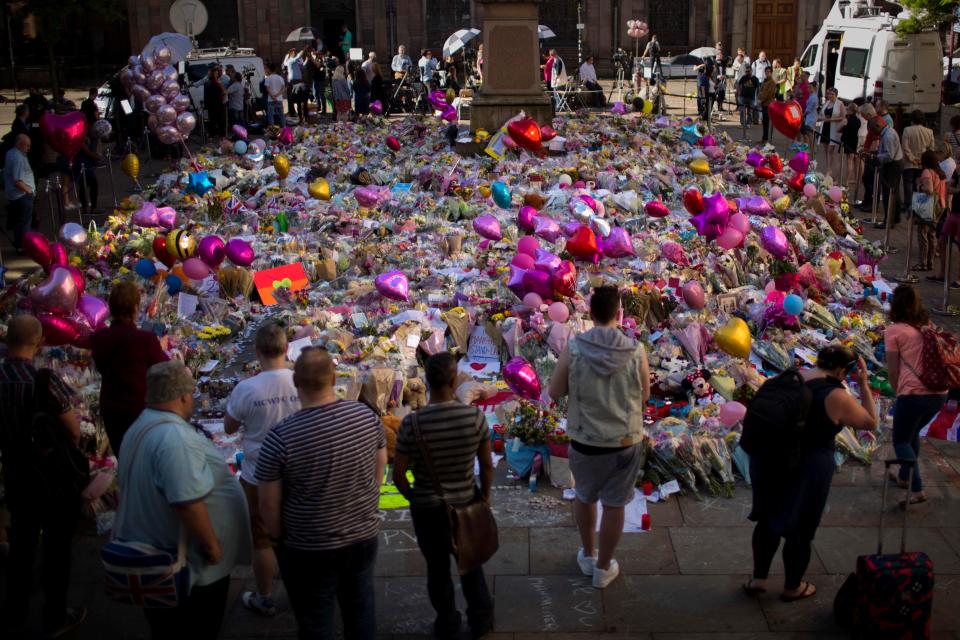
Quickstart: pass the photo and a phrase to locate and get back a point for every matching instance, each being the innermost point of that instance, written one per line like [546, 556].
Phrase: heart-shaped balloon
[618, 244]
[58, 331]
[58, 254]
[522, 378]
[775, 162]
[376, 107]
[515, 281]
[758, 206]
[700, 166]
[796, 182]
[786, 117]
[693, 201]
[37, 248]
[564, 279]
[526, 218]
[526, 133]
[56, 294]
[547, 133]
[95, 310]
[286, 136]
[212, 251]
[438, 100]
[393, 285]
[146, 215]
[319, 189]
[538, 282]
[708, 141]
[239, 252]
[734, 338]
[546, 228]
[800, 162]
[546, 261]
[65, 133]
[656, 209]
[583, 243]
[764, 173]
[160, 251]
[166, 217]
[775, 242]
[694, 295]
[488, 227]
[754, 159]
[392, 143]
[675, 254]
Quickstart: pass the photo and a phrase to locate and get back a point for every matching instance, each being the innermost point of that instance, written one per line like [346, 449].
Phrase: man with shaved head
[19, 187]
[44, 507]
[318, 477]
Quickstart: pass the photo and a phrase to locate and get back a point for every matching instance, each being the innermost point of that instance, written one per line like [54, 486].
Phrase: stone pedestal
[511, 68]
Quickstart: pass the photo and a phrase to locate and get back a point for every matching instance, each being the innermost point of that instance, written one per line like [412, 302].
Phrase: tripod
[619, 85]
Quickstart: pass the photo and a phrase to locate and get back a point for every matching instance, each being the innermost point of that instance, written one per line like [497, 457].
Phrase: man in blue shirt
[19, 187]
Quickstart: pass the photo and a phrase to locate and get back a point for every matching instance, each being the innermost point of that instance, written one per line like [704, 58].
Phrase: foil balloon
[775, 162]
[376, 108]
[538, 282]
[775, 242]
[286, 136]
[693, 201]
[758, 206]
[392, 143]
[488, 227]
[195, 268]
[73, 234]
[131, 165]
[58, 331]
[37, 248]
[764, 173]
[199, 183]
[186, 122]
[700, 166]
[694, 295]
[95, 310]
[796, 182]
[180, 244]
[600, 226]
[240, 131]
[501, 194]
[160, 251]
[65, 133]
[674, 253]
[656, 209]
[618, 244]
[571, 227]
[526, 133]
[212, 251]
[239, 252]
[393, 285]
[102, 129]
[58, 254]
[146, 216]
[515, 281]
[800, 162]
[450, 115]
[690, 133]
[438, 100]
[547, 133]
[78, 278]
[319, 189]
[166, 218]
[713, 221]
[522, 378]
[526, 218]
[731, 413]
[583, 243]
[282, 166]
[708, 141]
[734, 338]
[528, 245]
[547, 261]
[754, 159]
[56, 294]
[546, 228]
[786, 117]
[618, 109]
[564, 279]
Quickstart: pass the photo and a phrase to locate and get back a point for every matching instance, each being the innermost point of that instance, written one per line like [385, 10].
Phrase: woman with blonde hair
[342, 94]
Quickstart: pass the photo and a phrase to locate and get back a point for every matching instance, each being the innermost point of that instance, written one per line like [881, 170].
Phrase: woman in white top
[833, 115]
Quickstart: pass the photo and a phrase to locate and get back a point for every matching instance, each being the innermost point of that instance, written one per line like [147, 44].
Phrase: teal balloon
[174, 284]
[240, 147]
[501, 194]
[145, 268]
[812, 178]
[793, 304]
[199, 183]
[690, 133]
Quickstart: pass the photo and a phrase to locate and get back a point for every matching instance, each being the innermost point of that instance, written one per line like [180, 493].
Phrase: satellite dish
[188, 17]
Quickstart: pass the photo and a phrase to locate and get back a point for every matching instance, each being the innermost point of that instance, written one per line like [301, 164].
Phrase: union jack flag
[144, 576]
[233, 206]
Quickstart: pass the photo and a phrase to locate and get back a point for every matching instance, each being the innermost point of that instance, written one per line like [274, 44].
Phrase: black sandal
[808, 590]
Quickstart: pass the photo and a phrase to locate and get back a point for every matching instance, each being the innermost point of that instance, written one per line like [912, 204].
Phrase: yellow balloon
[319, 189]
[782, 204]
[131, 165]
[734, 338]
[700, 166]
[648, 107]
[485, 191]
[181, 244]
[282, 165]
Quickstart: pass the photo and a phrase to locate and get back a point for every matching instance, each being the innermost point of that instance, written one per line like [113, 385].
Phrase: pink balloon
[146, 215]
[800, 162]
[286, 136]
[759, 206]
[532, 300]
[675, 254]
[523, 261]
[546, 228]
[694, 295]
[140, 92]
[488, 227]
[393, 285]
[166, 218]
[37, 248]
[528, 245]
[776, 193]
[515, 281]
[571, 228]
[754, 159]
[525, 218]
[166, 114]
[450, 115]
[195, 268]
[558, 312]
[835, 193]
[181, 103]
[775, 242]
[211, 251]
[239, 252]
[522, 378]
[154, 102]
[708, 141]
[730, 238]
[57, 294]
[731, 413]
[168, 134]
[58, 253]
[618, 244]
[64, 133]
[546, 261]
[810, 190]
[656, 209]
[94, 310]
[186, 122]
[240, 131]
[538, 282]
[739, 222]
[58, 331]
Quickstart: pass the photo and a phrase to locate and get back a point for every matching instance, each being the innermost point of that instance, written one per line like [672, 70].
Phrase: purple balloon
[775, 242]
[166, 218]
[522, 378]
[376, 107]
[538, 282]
[57, 294]
[168, 134]
[146, 215]
[617, 244]
[488, 227]
[450, 114]
[170, 87]
[754, 159]
[239, 252]
[712, 222]
[571, 228]
[240, 131]
[181, 103]
[186, 122]
[546, 228]
[211, 251]
[141, 93]
[393, 285]
[166, 114]
[525, 218]
[154, 102]
[515, 281]
[547, 261]
[758, 206]
[800, 162]
[94, 310]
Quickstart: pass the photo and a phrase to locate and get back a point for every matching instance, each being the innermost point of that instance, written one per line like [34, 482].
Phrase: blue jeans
[20, 212]
[910, 415]
[275, 112]
[316, 580]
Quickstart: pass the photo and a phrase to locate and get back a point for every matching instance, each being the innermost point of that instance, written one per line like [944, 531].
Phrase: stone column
[511, 74]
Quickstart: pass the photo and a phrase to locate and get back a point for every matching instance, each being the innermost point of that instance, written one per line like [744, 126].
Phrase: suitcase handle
[907, 462]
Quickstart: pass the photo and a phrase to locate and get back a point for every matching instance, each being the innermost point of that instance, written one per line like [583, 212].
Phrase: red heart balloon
[64, 133]
[796, 182]
[775, 162]
[37, 248]
[765, 173]
[526, 133]
[786, 117]
[547, 133]
[693, 201]
[160, 251]
[565, 279]
[583, 243]
[393, 144]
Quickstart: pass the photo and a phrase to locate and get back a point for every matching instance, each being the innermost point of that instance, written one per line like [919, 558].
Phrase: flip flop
[752, 591]
[808, 591]
[913, 500]
[893, 477]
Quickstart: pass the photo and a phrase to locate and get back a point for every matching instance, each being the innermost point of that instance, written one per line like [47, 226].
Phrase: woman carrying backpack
[788, 499]
[916, 405]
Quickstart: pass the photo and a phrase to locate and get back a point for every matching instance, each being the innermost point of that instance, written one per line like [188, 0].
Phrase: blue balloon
[174, 284]
[793, 304]
[145, 268]
[240, 147]
[501, 194]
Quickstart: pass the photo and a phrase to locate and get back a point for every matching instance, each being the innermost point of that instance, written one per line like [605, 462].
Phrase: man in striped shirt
[319, 477]
[456, 435]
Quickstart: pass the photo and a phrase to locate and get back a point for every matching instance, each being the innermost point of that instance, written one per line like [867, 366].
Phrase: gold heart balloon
[131, 165]
[319, 189]
[484, 191]
[700, 166]
[282, 164]
[734, 338]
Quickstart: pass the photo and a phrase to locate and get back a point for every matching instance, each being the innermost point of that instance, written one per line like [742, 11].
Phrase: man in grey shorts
[607, 378]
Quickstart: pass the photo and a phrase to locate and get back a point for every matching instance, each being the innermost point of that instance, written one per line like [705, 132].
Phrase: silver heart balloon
[57, 294]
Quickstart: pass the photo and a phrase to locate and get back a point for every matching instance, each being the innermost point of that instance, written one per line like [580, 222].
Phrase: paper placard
[413, 340]
[481, 348]
[295, 347]
[186, 305]
[289, 276]
[669, 488]
[208, 366]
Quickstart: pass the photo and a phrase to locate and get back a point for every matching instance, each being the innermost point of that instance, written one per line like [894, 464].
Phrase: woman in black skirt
[788, 502]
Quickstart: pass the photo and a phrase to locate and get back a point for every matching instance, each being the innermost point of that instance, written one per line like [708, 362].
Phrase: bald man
[319, 474]
[19, 187]
[38, 494]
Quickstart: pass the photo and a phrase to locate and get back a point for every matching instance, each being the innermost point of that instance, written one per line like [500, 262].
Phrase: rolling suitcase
[889, 596]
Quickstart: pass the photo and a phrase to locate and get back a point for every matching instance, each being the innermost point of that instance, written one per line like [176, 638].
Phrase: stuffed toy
[391, 425]
[415, 393]
[698, 383]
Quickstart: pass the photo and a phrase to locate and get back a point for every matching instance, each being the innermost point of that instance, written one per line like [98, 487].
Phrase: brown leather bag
[473, 529]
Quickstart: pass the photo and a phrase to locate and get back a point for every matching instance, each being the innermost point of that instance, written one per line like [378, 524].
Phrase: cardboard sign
[291, 277]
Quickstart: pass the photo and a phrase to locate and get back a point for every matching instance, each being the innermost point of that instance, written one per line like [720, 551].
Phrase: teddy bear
[415, 393]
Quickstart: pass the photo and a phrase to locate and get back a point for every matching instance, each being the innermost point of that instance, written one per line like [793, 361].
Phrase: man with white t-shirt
[257, 404]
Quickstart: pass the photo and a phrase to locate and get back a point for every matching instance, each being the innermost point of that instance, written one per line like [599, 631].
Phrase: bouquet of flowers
[717, 456]
[532, 423]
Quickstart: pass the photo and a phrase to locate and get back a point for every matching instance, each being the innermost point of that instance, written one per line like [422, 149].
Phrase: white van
[244, 60]
[858, 52]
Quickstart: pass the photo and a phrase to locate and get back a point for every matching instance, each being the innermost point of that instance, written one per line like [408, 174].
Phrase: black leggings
[796, 555]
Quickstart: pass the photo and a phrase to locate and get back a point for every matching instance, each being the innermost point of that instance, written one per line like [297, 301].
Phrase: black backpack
[58, 461]
[776, 418]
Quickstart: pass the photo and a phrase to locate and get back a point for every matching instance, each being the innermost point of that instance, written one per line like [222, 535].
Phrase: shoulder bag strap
[427, 460]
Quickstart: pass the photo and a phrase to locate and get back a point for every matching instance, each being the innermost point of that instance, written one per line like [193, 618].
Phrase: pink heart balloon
[618, 244]
[239, 130]
[211, 251]
[167, 218]
[488, 227]
[95, 310]
[239, 252]
[800, 162]
[376, 108]
[37, 248]
[694, 295]
[64, 133]
[58, 253]
[57, 294]
[286, 136]
[546, 228]
[78, 278]
[146, 215]
[525, 218]
[522, 378]
[58, 331]
[393, 285]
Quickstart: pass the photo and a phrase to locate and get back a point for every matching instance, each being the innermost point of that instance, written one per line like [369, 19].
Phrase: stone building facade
[782, 27]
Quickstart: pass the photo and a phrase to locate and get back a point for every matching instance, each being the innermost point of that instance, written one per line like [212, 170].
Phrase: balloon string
[185, 148]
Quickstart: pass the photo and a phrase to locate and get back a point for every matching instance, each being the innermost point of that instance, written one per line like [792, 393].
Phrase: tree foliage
[925, 15]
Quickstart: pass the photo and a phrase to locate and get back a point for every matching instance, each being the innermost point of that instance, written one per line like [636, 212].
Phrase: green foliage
[925, 15]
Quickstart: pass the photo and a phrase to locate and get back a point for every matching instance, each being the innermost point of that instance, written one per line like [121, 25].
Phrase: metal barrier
[944, 309]
[906, 277]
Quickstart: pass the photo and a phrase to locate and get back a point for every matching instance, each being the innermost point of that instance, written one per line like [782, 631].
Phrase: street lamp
[580, 27]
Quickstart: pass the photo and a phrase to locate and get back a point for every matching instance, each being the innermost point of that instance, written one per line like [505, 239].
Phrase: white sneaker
[587, 563]
[602, 578]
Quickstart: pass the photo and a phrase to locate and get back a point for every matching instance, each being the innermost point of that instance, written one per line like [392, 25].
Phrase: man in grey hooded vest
[607, 378]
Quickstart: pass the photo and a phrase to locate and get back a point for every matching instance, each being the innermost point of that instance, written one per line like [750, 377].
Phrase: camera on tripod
[248, 71]
[621, 59]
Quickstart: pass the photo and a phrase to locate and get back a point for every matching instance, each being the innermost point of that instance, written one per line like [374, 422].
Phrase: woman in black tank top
[788, 503]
